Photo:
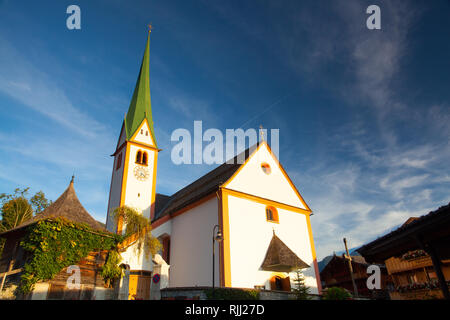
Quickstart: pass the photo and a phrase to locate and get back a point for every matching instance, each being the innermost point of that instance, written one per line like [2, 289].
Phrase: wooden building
[417, 256]
[337, 274]
[14, 257]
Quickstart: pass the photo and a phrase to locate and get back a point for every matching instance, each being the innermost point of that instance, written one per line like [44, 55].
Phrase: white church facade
[263, 220]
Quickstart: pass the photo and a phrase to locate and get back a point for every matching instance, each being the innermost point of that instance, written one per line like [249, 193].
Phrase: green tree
[15, 212]
[16, 208]
[39, 202]
[336, 293]
[300, 289]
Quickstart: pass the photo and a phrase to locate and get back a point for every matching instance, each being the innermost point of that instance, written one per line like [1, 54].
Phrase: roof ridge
[210, 176]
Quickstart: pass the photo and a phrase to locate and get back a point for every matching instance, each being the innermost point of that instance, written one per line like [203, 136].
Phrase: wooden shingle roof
[432, 228]
[280, 258]
[67, 206]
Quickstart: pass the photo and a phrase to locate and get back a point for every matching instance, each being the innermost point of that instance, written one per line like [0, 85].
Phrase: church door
[139, 288]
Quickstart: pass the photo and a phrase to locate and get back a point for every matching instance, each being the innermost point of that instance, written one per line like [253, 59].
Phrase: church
[241, 225]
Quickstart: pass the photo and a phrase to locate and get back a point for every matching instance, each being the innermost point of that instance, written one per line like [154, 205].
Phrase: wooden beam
[11, 265]
[437, 265]
[10, 273]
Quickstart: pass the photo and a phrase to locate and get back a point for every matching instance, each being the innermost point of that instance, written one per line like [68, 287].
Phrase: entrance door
[139, 288]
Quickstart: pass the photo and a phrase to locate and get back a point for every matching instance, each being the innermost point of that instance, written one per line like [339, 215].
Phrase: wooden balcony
[395, 265]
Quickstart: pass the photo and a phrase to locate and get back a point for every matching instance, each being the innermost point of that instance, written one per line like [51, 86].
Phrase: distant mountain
[322, 264]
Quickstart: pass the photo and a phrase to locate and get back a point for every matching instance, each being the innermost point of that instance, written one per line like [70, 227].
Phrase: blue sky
[364, 116]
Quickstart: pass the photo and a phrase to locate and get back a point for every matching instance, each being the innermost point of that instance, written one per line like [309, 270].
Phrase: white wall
[137, 261]
[274, 186]
[142, 137]
[191, 246]
[138, 193]
[165, 228]
[250, 235]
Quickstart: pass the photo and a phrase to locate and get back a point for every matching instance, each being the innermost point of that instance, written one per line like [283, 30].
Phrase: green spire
[141, 106]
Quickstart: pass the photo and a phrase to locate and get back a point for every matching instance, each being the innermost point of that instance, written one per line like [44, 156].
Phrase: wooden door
[139, 287]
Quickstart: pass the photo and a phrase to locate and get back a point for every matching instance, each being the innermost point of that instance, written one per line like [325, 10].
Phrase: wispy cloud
[34, 88]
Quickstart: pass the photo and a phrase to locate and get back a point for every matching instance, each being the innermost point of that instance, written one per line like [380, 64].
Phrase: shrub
[232, 294]
[336, 293]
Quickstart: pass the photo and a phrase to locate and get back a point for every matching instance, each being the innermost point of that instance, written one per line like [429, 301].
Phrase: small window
[139, 157]
[145, 158]
[119, 161]
[146, 133]
[266, 168]
[142, 131]
[271, 214]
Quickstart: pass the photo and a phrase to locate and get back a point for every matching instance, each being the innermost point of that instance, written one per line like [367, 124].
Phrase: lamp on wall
[217, 236]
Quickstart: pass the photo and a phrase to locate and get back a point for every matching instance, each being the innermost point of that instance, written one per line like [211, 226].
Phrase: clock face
[141, 173]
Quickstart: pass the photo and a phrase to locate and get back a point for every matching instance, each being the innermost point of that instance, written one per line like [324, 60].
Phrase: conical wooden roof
[280, 258]
[67, 206]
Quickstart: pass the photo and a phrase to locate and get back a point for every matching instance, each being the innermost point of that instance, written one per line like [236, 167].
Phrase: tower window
[139, 157]
[142, 157]
[272, 214]
[142, 131]
[146, 133]
[119, 161]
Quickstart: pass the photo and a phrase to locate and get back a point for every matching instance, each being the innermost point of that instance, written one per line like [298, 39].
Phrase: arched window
[145, 158]
[271, 214]
[139, 157]
[279, 283]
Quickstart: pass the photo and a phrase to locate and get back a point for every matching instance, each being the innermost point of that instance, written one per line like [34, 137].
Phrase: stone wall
[198, 293]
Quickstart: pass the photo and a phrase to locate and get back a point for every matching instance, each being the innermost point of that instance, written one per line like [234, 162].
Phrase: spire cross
[261, 132]
[150, 27]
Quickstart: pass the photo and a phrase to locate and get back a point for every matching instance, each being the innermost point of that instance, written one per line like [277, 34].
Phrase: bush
[336, 293]
[232, 294]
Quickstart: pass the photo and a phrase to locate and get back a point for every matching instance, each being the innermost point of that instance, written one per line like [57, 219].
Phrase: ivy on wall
[111, 270]
[54, 244]
[57, 243]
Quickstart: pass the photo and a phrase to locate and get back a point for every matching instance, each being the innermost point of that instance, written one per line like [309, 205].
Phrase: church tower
[133, 179]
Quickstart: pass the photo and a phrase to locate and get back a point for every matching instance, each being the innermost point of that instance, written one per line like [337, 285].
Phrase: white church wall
[191, 246]
[136, 261]
[165, 228]
[144, 135]
[139, 193]
[250, 235]
[274, 186]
